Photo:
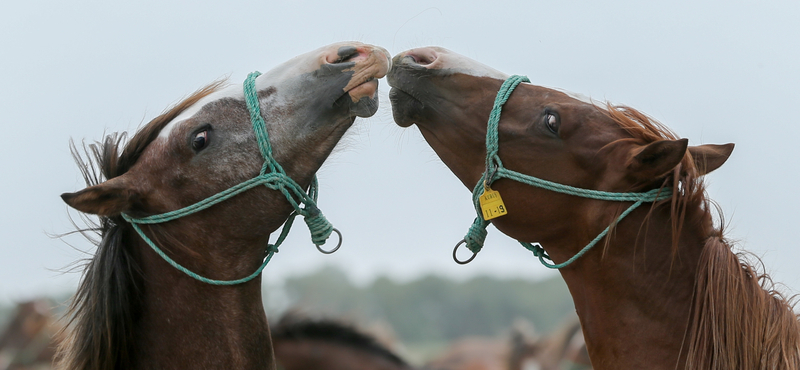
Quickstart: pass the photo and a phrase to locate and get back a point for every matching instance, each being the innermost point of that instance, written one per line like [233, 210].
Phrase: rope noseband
[273, 177]
[494, 170]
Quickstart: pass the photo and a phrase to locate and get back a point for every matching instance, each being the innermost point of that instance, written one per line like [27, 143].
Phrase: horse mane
[99, 329]
[738, 319]
[292, 327]
[688, 189]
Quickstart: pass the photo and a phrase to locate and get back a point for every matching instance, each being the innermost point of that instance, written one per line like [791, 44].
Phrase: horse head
[542, 132]
[203, 148]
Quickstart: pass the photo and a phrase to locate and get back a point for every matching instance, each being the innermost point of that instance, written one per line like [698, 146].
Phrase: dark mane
[100, 321]
[294, 328]
[738, 319]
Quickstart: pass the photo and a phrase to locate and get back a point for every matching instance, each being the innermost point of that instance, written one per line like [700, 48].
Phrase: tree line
[431, 308]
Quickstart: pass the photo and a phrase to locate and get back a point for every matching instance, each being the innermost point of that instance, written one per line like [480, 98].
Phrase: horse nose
[423, 57]
[367, 63]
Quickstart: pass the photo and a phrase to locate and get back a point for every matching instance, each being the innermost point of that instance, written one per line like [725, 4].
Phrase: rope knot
[536, 249]
[476, 235]
[319, 226]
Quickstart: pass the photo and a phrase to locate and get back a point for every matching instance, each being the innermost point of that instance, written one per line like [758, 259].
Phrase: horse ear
[709, 157]
[109, 198]
[656, 159]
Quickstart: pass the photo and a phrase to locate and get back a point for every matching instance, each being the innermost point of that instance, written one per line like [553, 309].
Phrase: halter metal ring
[463, 241]
[337, 245]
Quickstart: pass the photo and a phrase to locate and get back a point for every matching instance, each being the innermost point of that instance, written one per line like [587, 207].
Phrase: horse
[183, 219]
[563, 348]
[473, 353]
[26, 341]
[619, 207]
[303, 343]
[520, 350]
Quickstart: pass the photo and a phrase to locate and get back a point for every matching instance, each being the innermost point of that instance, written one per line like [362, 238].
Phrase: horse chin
[362, 99]
[368, 89]
[404, 107]
[366, 107]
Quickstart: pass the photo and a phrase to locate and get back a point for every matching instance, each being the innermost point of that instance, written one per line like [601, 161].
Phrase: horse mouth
[362, 89]
[367, 89]
[404, 106]
[360, 100]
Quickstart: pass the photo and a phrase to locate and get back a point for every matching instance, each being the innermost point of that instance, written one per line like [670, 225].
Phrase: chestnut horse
[662, 289]
[133, 309]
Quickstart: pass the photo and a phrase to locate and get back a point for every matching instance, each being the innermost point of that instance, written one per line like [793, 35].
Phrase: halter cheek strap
[495, 170]
[271, 176]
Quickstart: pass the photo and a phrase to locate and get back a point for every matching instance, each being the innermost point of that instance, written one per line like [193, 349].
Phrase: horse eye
[552, 122]
[200, 140]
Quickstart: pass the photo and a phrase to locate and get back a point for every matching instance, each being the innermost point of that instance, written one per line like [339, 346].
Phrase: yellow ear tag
[492, 204]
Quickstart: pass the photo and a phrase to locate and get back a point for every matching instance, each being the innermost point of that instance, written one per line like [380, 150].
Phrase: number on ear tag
[492, 204]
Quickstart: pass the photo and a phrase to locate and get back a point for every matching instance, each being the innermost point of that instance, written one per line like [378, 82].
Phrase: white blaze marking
[233, 91]
[458, 63]
[452, 61]
[461, 64]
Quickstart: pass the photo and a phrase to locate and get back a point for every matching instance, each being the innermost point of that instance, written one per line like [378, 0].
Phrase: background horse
[521, 350]
[663, 290]
[134, 310]
[28, 340]
[325, 344]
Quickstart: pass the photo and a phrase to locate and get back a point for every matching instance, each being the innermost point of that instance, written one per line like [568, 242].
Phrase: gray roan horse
[133, 310]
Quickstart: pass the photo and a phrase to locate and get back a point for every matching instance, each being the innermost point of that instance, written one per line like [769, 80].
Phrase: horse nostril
[422, 56]
[344, 54]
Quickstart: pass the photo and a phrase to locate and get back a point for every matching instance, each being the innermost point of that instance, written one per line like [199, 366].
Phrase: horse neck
[634, 295]
[645, 304]
[185, 323]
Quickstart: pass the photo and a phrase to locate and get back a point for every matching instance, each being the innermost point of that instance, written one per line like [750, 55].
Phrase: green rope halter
[494, 170]
[273, 177]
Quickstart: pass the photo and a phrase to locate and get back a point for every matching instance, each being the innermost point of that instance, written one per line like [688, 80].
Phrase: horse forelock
[688, 190]
[145, 136]
[100, 320]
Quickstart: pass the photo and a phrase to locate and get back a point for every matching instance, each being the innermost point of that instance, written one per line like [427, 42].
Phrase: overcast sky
[715, 73]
